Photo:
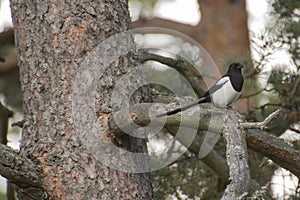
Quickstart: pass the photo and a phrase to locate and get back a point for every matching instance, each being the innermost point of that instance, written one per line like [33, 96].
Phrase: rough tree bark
[52, 38]
[237, 157]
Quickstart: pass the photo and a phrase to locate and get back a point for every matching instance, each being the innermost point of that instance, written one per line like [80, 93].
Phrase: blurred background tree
[223, 32]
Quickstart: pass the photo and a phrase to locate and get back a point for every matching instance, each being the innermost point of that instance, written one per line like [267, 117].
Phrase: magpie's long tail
[183, 108]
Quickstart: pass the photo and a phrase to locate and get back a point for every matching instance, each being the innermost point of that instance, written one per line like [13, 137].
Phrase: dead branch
[19, 123]
[237, 157]
[275, 149]
[272, 147]
[21, 171]
[261, 125]
[182, 66]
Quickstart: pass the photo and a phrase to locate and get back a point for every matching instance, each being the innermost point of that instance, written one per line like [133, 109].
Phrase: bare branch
[261, 125]
[200, 118]
[256, 93]
[182, 66]
[237, 157]
[253, 94]
[269, 104]
[22, 172]
[19, 123]
[272, 147]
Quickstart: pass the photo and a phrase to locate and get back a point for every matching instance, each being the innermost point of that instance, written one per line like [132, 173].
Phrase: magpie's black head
[235, 74]
[236, 66]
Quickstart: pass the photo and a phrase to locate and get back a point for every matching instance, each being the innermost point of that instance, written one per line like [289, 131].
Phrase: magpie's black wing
[222, 81]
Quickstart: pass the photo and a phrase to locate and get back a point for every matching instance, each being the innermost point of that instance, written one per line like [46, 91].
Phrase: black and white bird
[223, 93]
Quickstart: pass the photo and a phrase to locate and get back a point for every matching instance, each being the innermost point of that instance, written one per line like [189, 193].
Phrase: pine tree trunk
[52, 39]
[223, 29]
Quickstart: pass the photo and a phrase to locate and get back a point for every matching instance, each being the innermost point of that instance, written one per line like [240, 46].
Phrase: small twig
[19, 123]
[257, 93]
[253, 94]
[269, 104]
[261, 125]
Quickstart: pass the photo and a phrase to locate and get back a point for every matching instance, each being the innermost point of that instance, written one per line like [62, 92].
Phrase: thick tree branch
[199, 118]
[237, 157]
[122, 122]
[261, 142]
[22, 172]
[274, 148]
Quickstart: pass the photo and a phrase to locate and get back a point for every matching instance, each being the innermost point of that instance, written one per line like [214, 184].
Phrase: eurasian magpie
[223, 93]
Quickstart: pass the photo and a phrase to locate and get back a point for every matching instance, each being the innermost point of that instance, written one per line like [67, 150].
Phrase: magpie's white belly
[226, 95]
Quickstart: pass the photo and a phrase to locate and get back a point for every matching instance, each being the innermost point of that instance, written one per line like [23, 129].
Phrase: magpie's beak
[241, 66]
